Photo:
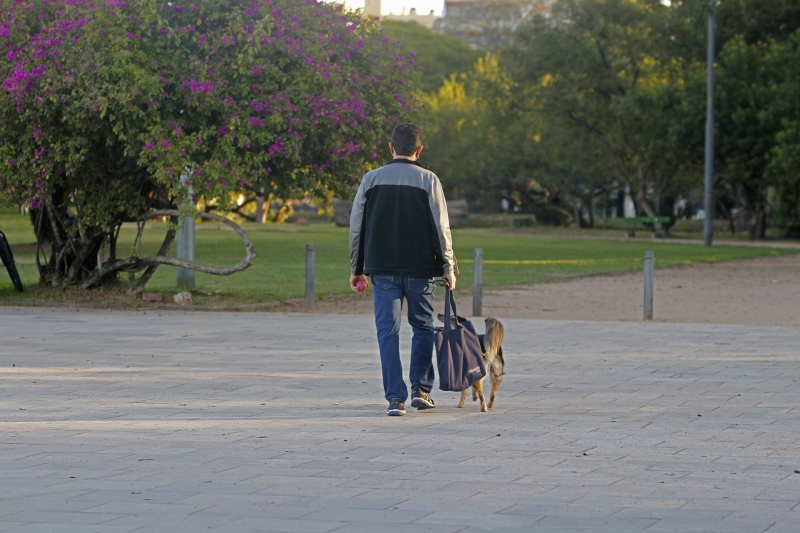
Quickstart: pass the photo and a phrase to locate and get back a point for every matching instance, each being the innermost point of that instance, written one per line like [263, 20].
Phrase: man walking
[400, 237]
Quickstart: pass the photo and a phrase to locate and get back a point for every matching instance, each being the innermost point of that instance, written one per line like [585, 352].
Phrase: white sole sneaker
[400, 410]
[421, 403]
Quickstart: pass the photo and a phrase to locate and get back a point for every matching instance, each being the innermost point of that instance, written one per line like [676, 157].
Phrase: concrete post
[477, 283]
[649, 275]
[185, 236]
[310, 260]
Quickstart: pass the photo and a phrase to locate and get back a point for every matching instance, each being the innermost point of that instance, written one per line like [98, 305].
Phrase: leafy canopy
[110, 101]
[438, 56]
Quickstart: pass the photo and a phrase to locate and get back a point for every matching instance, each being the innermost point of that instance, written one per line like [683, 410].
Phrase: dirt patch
[764, 291]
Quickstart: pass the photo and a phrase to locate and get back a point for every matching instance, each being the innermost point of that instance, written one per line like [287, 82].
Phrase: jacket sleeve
[357, 231]
[442, 221]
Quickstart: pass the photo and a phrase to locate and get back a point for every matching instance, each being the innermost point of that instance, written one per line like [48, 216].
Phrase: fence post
[310, 260]
[477, 283]
[649, 274]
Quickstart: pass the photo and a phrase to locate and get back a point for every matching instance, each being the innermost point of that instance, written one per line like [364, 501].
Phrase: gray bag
[459, 357]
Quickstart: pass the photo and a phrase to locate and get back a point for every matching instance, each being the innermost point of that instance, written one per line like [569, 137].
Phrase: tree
[784, 158]
[750, 112]
[486, 149]
[601, 68]
[437, 56]
[747, 130]
[106, 104]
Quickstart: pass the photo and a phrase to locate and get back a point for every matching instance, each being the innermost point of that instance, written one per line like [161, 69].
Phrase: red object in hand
[361, 286]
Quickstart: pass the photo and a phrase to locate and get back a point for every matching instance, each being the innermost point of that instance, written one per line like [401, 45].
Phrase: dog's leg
[495, 384]
[479, 386]
[474, 393]
[463, 398]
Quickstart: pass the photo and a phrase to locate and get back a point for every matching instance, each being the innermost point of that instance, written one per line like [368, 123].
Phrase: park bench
[648, 223]
[7, 258]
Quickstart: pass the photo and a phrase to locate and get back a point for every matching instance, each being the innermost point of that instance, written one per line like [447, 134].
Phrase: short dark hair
[406, 138]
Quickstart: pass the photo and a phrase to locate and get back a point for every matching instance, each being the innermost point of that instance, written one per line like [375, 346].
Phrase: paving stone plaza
[185, 422]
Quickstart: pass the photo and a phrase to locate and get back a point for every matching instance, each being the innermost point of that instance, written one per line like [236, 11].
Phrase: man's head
[406, 141]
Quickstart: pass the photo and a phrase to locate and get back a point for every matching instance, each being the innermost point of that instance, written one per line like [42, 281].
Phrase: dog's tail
[493, 338]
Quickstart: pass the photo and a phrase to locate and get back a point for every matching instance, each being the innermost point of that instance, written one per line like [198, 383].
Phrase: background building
[373, 7]
[484, 24]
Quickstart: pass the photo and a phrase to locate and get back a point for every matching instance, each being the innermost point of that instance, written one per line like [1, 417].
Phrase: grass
[511, 258]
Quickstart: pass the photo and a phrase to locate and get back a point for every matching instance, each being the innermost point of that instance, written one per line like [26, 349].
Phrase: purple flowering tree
[106, 104]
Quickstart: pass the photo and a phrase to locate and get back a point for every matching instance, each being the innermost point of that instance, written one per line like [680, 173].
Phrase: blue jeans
[389, 291]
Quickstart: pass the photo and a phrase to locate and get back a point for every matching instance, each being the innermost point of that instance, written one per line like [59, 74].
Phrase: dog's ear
[460, 319]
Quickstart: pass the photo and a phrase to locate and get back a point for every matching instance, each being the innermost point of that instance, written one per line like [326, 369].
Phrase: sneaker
[421, 400]
[396, 408]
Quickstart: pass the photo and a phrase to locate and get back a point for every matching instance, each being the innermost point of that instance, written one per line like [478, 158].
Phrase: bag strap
[450, 301]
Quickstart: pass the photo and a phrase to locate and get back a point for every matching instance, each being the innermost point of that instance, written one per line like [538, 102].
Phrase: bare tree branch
[135, 264]
[139, 284]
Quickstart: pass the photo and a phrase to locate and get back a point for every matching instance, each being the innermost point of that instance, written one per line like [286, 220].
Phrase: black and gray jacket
[399, 223]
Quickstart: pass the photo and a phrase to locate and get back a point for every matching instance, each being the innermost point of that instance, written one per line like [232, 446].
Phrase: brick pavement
[177, 422]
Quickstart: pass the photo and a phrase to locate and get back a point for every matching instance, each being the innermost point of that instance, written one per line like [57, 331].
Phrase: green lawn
[511, 258]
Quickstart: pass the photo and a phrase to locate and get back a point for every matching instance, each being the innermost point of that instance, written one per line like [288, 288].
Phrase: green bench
[648, 223]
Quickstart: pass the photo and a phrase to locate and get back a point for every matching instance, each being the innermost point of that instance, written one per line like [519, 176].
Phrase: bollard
[186, 252]
[649, 274]
[477, 283]
[186, 243]
[310, 259]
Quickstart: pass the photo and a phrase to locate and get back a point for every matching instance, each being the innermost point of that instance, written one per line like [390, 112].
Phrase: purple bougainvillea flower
[271, 105]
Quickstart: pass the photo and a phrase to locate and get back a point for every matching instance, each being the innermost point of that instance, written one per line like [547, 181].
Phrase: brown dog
[491, 344]
[493, 358]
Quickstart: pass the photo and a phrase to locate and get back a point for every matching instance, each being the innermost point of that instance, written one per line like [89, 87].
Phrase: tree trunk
[137, 286]
[284, 212]
[88, 256]
[759, 228]
[661, 230]
[135, 263]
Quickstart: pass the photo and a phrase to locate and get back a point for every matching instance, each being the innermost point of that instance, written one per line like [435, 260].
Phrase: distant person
[504, 205]
[400, 237]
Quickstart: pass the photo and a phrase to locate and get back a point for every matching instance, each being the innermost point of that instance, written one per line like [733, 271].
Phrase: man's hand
[450, 281]
[354, 282]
